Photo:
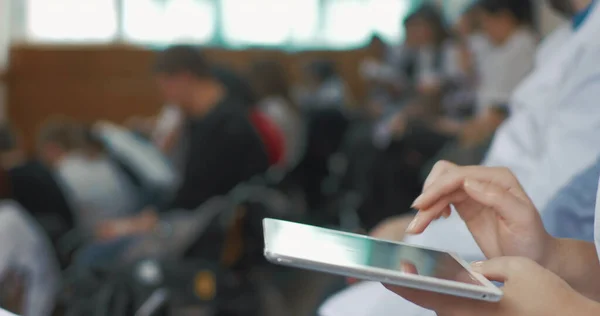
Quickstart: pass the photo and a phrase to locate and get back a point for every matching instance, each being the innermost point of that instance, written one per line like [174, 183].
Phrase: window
[346, 22]
[296, 24]
[386, 17]
[166, 22]
[269, 22]
[71, 20]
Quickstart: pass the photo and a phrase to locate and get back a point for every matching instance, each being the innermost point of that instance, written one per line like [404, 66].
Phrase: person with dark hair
[96, 189]
[222, 146]
[272, 88]
[324, 88]
[507, 24]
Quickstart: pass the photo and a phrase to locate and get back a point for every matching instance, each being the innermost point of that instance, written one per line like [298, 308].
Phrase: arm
[570, 144]
[577, 263]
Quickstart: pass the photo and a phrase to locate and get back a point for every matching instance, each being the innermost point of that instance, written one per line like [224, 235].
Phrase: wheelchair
[211, 263]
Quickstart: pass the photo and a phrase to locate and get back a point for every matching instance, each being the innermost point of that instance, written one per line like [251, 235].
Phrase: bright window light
[385, 18]
[151, 21]
[71, 20]
[268, 22]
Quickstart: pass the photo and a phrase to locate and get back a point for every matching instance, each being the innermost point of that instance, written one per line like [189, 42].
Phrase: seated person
[34, 186]
[507, 25]
[323, 87]
[27, 252]
[95, 187]
[270, 82]
[223, 148]
[417, 138]
[464, 61]
[551, 138]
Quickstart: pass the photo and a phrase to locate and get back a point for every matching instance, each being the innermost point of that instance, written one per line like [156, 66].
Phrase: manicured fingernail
[474, 185]
[412, 225]
[418, 200]
[446, 215]
[476, 266]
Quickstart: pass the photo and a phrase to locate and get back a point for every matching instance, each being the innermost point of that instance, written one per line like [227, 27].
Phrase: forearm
[577, 263]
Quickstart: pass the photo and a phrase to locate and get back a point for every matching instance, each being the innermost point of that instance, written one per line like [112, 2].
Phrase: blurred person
[271, 85]
[95, 187]
[34, 186]
[218, 131]
[414, 66]
[324, 88]
[416, 140]
[550, 136]
[507, 25]
[27, 253]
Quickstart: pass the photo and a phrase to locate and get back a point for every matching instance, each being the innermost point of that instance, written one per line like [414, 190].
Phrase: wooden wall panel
[114, 82]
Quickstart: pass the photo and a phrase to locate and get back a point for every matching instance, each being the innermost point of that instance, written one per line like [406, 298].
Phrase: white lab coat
[552, 135]
[597, 222]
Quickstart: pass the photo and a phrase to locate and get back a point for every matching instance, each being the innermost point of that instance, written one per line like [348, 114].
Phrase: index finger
[451, 181]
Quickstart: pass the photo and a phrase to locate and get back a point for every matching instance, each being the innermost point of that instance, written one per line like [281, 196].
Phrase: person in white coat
[542, 275]
[551, 136]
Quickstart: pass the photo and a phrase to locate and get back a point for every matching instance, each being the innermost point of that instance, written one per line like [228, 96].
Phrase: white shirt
[289, 123]
[97, 190]
[597, 223]
[26, 249]
[168, 119]
[504, 67]
[5, 313]
[551, 136]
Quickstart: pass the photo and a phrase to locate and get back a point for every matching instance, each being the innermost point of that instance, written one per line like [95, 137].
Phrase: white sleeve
[572, 142]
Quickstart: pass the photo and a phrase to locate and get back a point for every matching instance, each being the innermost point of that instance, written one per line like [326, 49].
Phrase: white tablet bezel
[487, 292]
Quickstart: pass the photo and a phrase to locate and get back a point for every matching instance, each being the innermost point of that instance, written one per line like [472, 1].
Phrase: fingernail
[476, 265]
[446, 215]
[412, 225]
[474, 185]
[418, 200]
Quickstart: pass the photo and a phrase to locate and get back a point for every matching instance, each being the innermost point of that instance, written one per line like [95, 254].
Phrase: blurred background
[82, 98]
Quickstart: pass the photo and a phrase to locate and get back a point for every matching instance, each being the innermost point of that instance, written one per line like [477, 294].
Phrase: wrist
[581, 305]
[552, 257]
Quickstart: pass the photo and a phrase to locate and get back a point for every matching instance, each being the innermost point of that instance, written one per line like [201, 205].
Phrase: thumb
[497, 269]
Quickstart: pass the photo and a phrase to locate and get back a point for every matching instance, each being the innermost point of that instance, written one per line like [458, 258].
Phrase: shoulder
[524, 41]
[550, 44]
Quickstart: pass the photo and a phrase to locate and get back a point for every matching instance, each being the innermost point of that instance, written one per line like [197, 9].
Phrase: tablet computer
[363, 257]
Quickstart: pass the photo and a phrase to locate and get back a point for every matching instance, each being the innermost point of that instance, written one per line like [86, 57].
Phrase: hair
[270, 79]
[434, 17]
[8, 138]
[521, 10]
[323, 69]
[236, 85]
[63, 132]
[91, 141]
[180, 59]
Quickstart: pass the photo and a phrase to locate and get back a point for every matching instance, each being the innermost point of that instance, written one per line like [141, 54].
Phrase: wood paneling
[114, 82]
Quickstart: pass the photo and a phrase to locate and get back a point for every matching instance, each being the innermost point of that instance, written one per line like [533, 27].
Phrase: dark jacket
[224, 149]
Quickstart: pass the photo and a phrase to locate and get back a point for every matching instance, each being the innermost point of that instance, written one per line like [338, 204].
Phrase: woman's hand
[502, 219]
[529, 290]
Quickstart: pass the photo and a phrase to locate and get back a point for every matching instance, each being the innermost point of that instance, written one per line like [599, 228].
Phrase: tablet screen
[337, 248]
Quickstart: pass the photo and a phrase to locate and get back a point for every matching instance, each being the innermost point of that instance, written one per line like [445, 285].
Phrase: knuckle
[443, 164]
[519, 263]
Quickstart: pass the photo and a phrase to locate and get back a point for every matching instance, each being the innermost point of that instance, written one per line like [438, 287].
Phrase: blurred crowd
[170, 196]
